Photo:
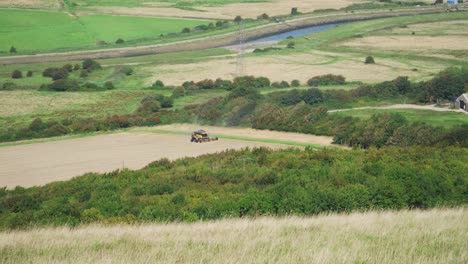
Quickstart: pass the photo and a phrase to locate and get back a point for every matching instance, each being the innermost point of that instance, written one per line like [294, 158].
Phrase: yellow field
[434, 236]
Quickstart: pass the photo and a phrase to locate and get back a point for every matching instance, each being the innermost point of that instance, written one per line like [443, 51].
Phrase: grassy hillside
[433, 236]
[33, 31]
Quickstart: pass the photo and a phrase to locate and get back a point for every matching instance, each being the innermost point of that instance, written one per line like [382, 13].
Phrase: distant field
[20, 107]
[31, 31]
[420, 237]
[208, 8]
[444, 119]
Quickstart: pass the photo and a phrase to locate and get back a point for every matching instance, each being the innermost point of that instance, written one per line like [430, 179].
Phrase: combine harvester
[200, 136]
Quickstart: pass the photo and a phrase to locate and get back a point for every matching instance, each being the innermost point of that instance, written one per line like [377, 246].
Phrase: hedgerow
[247, 183]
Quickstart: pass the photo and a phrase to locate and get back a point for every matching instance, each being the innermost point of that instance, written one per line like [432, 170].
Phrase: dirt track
[41, 163]
[404, 106]
[214, 41]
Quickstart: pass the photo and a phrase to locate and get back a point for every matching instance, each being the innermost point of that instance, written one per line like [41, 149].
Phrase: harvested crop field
[40, 163]
[301, 67]
[415, 43]
[222, 11]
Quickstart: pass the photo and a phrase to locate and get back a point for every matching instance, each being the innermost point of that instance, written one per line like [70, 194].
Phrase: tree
[16, 74]
[13, 50]
[369, 60]
[119, 41]
[238, 19]
[77, 67]
[295, 83]
[29, 74]
[291, 45]
[186, 30]
[294, 11]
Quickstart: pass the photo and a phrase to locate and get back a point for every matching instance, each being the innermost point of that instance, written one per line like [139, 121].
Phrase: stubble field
[43, 162]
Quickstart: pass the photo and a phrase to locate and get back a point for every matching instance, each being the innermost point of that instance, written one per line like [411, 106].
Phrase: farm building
[462, 102]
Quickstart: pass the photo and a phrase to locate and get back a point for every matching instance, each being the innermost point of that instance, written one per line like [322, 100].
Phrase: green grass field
[443, 119]
[37, 31]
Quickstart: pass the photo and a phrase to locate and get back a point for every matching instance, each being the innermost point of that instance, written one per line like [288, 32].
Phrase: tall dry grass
[434, 236]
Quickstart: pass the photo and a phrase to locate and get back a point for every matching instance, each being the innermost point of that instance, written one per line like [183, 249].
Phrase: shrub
[29, 74]
[179, 91]
[223, 84]
[295, 83]
[369, 60]
[187, 84]
[76, 67]
[56, 73]
[157, 84]
[125, 70]
[238, 19]
[63, 85]
[291, 45]
[205, 84]
[60, 74]
[8, 86]
[108, 85]
[263, 16]
[329, 79]
[186, 30]
[284, 84]
[90, 86]
[119, 41]
[68, 67]
[149, 106]
[37, 125]
[13, 50]
[91, 65]
[16, 74]
[83, 74]
[294, 11]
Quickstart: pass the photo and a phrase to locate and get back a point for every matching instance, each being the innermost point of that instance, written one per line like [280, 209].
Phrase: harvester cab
[200, 136]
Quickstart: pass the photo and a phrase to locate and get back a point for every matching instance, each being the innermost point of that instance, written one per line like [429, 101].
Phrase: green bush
[16, 74]
[63, 85]
[90, 65]
[157, 85]
[369, 60]
[329, 79]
